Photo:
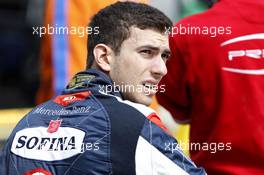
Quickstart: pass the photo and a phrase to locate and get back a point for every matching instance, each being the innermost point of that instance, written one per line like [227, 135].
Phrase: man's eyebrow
[148, 47]
[166, 51]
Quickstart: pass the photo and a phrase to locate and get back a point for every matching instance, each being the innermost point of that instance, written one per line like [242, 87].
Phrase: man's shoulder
[123, 106]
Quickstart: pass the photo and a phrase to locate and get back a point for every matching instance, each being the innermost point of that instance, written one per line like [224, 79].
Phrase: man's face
[140, 64]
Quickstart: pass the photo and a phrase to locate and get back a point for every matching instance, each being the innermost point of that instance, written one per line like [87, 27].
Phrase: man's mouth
[148, 85]
[150, 88]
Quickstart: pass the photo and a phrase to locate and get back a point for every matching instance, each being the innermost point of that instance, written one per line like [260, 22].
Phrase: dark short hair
[114, 22]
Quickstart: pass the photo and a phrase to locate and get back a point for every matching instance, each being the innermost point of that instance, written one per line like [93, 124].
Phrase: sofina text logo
[32, 142]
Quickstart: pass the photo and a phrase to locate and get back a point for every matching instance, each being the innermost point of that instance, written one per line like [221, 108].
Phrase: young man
[93, 128]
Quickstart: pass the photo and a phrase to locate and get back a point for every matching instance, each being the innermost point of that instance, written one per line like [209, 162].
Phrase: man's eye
[146, 52]
[165, 56]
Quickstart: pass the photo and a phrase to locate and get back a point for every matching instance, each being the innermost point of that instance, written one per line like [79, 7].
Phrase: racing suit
[90, 129]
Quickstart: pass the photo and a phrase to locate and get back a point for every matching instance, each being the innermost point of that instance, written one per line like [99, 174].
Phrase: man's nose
[159, 68]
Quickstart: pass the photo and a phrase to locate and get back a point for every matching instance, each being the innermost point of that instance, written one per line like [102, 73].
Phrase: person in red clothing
[215, 82]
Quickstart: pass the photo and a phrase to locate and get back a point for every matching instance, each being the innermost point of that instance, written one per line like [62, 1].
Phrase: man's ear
[102, 56]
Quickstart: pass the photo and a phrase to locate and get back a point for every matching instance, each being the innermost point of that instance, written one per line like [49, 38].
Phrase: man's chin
[145, 100]
[141, 99]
